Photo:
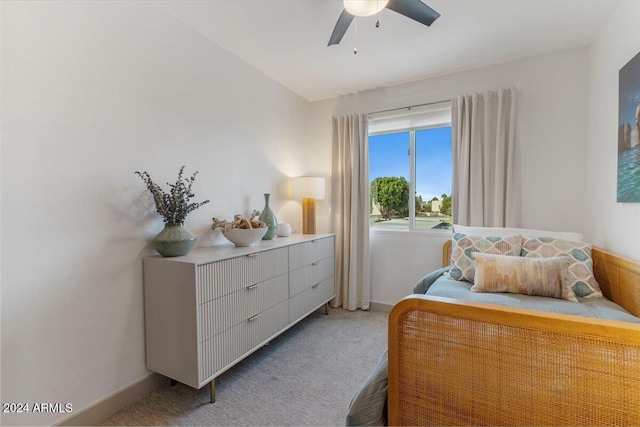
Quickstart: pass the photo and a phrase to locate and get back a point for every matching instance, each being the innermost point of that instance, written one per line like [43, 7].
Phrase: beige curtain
[483, 134]
[350, 211]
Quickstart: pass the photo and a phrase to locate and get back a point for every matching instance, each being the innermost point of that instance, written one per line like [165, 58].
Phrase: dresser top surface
[209, 254]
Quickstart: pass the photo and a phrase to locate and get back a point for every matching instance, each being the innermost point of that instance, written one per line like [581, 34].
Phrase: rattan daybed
[453, 362]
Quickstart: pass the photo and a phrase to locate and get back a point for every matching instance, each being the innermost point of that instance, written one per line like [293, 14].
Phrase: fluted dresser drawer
[233, 344]
[302, 254]
[222, 313]
[220, 278]
[310, 299]
[305, 277]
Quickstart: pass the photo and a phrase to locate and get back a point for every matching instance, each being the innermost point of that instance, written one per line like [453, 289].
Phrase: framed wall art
[629, 132]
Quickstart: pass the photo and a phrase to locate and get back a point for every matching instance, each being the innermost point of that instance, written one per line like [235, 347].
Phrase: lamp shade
[364, 7]
[309, 187]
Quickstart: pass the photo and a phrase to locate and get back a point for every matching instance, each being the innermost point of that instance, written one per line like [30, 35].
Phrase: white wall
[551, 134]
[399, 260]
[608, 224]
[91, 92]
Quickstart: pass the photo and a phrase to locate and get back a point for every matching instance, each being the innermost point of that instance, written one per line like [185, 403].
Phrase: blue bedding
[599, 308]
[368, 407]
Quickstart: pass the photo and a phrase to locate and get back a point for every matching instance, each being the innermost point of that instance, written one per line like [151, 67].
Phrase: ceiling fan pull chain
[377, 13]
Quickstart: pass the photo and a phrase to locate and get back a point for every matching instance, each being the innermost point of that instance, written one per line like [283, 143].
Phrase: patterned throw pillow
[581, 277]
[545, 277]
[464, 246]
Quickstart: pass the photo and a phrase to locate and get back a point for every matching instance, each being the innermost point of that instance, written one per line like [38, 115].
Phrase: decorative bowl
[243, 236]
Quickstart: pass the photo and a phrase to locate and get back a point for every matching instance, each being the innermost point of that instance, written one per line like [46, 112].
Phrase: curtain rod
[409, 107]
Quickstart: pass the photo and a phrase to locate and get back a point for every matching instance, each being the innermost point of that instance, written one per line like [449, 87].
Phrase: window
[411, 154]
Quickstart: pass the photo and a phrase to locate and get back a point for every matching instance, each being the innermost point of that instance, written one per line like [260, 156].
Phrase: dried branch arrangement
[175, 205]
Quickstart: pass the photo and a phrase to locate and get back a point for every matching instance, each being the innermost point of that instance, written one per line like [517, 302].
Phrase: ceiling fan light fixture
[364, 7]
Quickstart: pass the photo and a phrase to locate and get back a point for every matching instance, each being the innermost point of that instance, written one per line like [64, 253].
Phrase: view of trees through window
[402, 162]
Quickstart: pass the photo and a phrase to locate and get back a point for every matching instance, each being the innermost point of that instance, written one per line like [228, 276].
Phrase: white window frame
[424, 119]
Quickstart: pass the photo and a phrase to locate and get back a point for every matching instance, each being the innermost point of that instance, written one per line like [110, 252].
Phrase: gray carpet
[306, 376]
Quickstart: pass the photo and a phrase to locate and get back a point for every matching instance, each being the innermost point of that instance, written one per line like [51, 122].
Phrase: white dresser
[206, 311]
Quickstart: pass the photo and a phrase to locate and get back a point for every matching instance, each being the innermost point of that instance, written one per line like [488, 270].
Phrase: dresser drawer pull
[252, 255]
[315, 286]
[255, 285]
[314, 241]
[314, 263]
[254, 317]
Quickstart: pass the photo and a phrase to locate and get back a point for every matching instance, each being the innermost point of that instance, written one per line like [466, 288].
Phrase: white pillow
[501, 232]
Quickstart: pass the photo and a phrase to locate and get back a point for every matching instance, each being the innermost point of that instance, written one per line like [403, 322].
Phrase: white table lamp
[309, 189]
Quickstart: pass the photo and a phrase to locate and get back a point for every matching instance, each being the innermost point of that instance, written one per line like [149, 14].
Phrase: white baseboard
[118, 400]
[380, 307]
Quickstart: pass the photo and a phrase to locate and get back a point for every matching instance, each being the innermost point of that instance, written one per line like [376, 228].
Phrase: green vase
[174, 240]
[268, 218]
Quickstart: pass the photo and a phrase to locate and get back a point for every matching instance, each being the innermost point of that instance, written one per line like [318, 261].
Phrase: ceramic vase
[284, 230]
[174, 240]
[268, 218]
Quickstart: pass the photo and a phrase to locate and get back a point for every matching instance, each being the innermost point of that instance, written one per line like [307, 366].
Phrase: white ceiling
[287, 39]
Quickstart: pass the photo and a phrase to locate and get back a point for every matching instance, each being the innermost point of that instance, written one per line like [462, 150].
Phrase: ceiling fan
[413, 9]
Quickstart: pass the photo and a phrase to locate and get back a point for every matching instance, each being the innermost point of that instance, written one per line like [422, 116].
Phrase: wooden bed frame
[453, 362]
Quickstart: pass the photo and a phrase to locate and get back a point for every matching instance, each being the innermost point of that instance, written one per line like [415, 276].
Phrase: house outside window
[410, 154]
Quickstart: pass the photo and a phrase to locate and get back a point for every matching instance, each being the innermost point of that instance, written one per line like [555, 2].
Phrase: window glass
[433, 178]
[392, 179]
[389, 180]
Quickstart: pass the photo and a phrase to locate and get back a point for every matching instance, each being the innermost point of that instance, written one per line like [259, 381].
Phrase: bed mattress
[600, 308]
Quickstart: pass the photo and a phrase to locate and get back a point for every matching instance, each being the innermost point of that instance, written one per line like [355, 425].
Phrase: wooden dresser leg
[173, 383]
[326, 308]
[212, 390]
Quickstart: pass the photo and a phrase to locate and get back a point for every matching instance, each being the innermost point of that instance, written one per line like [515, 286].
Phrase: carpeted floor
[306, 376]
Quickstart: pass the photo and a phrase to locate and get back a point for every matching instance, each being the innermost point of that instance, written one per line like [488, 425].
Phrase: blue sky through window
[389, 156]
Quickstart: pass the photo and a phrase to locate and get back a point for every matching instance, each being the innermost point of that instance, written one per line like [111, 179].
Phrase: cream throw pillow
[545, 277]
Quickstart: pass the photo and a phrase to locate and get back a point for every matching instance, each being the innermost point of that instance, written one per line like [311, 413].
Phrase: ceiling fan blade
[415, 10]
[341, 27]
